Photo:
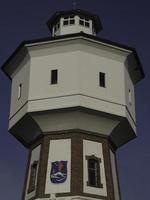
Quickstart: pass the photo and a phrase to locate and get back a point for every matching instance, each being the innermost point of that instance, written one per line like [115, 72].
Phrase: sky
[126, 22]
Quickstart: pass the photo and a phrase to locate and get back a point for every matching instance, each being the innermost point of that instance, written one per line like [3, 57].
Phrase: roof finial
[74, 4]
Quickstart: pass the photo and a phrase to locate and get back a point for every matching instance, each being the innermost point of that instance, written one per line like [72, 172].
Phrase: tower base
[61, 166]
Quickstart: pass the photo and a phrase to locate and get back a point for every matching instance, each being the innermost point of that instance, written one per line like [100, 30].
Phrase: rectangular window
[94, 176]
[54, 76]
[19, 91]
[102, 79]
[33, 175]
[81, 22]
[72, 21]
[84, 22]
[93, 172]
[69, 20]
[130, 97]
[65, 23]
[87, 24]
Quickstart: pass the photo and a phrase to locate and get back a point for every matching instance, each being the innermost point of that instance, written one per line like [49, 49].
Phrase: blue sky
[126, 22]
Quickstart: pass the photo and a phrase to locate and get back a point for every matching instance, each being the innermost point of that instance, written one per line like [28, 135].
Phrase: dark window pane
[92, 171]
[65, 23]
[81, 22]
[33, 174]
[54, 75]
[92, 178]
[91, 163]
[72, 21]
[87, 24]
[102, 79]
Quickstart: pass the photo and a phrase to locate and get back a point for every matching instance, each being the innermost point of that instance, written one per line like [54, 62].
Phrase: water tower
[73, 105]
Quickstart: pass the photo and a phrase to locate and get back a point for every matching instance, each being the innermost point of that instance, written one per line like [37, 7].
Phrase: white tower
[72, 105]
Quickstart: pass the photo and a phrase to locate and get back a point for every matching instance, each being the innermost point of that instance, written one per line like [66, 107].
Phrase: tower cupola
[74, 21]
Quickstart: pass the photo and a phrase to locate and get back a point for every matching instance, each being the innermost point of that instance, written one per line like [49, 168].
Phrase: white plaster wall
[78, 73]
[79, 62]
[59, 150]
[35, 156]
[90, 66]
[96, 149]
[20, 113]
[114, 173]
[129, 86]
[21, 76]
[67, 65]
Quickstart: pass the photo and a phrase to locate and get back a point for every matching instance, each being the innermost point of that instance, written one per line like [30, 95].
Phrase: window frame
[19, 91]
[54, 77]
[33, 176]
[98, 183]
[84, 22]
[69, 20]
[130, 97]
[102, 79]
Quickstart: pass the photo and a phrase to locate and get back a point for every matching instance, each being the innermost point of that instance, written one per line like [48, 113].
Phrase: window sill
[94, 186]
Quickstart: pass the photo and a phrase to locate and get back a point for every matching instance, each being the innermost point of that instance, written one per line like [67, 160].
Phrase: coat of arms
[58, 171]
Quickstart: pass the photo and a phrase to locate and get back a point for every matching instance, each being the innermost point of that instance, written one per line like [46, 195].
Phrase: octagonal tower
[73, 105]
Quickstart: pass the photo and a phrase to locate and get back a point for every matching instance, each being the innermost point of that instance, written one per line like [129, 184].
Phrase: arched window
[94, 176]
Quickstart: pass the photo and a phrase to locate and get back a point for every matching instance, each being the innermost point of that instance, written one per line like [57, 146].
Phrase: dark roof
[82, 13]
[138, 69]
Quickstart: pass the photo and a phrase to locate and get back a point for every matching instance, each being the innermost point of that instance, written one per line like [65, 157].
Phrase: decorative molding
[98, 184]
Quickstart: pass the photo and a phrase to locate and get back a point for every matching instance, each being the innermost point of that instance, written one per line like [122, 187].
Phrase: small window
[69, 20]
[130, 97]
[33, 175]
[19, 91]
[54, 76]
[72, 21]
[81, 22]
[65, 23]
[102, 79]
[84, 22]
[87, 24]
[94, 179]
